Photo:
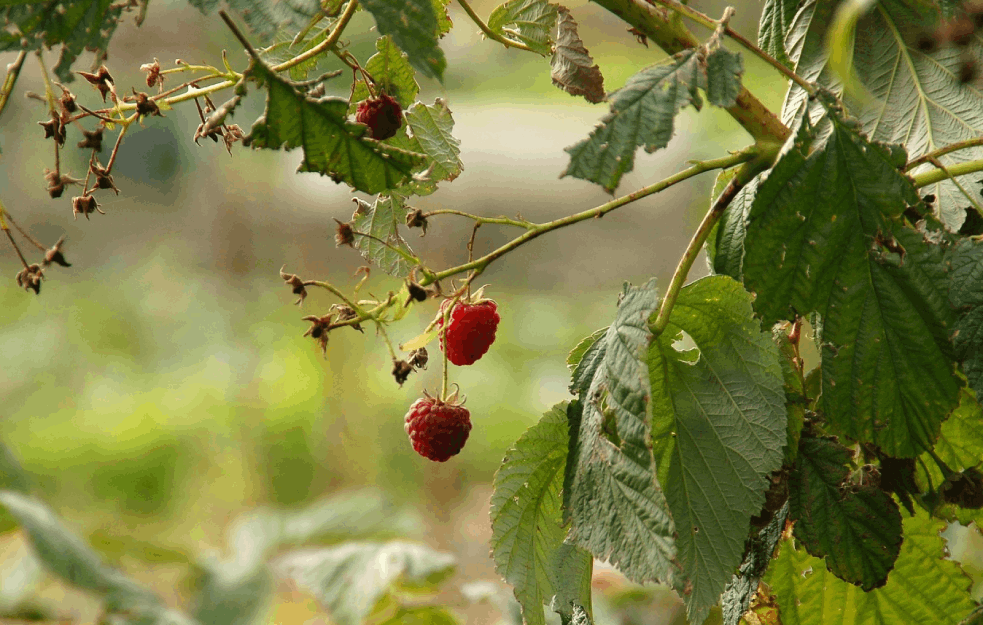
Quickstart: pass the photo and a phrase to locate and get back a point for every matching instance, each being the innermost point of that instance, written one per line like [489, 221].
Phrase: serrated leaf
[857, 529]
[578, 352]
[525, 21]
[725, 246]
[381, 220]
[268, 18]
[795, 392]
[332, 145]
[642, 115]
[350, 579]
[724, 71]
[392, 74]
[924, 587]
[824, 235]
[232, 593]
[77, 25]
[718, 428]
[432, 127]
[414, 26]
[742, 588]
[916, 97]
[776, 22]
[572, 68]
[527, 529]
[618, 510]
[12, 474]
[580, 616]
[444, 23]
[965, 263]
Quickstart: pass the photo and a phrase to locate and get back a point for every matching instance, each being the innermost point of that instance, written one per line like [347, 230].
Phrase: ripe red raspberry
[382, 115]
[471, 331]
[437, 429]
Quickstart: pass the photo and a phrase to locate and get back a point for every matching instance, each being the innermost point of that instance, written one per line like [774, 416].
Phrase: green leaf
[719, 426]
[351, 579]
[269, 18]
[12, 474]
[572, 68]
[742, 588]
[576, 355]
[332, 145]
[580, 616]
[392, 74]
[795, 392]
[78, 25]
[527, 528]
[642, 114]
[776, 22]
[414, 26]
[444, 23]
[924, 587]
[618, 510]
[526, 21]
[426, 615]
[725, 246]
[824, 235]
[232, 593]
[965, 262]
[857, 528]
[916, 97]
[381, 220]
[724, 70]
[432, 127]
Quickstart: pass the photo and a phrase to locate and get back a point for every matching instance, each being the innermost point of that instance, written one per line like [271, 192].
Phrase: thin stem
[938, 175]
[24, 234]
[952, 147]
[716, 211]
[49, 93]
[489, 32]
[14, 243]
[112, 157]
[13, 73]
[407, 257]
[93, 114]
[327, 44]
[502, 221]
[705, 20]
[962, 189]
[597, 212]
[362, 314]
[238, 34]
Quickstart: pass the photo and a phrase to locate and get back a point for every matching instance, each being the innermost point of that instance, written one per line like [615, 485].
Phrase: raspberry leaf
[414, 26]
[572, 67]
[825, 235]
[527, 528]
[580, 350]
[776, 22]
[724, 70]
[332, 145]
[618, 510]
[725, 245]
[742, 588]
[965, 262]
[381, 219]
[351, 579]
[392, 73]
[526, 21]
[268, 19]
[718, 429]
[924, 586]
[432, 127]
[857, 528]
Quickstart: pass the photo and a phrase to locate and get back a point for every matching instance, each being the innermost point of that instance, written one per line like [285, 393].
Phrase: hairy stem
[952, 147]
[599, 211]
[13, 73]
[744, 175]
[938, 175]
[489, 32]
[501, 221]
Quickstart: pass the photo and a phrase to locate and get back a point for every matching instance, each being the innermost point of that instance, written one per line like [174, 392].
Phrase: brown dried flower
[345, 313]
[415, 219]
[419, 358]
[344, 235]
[53, 128]
[67, 100]
[103, 178]
[30, 278]
[146, 106]
[92, 139]
[54, 255]
[401, 371]
[84, 205]
[319, 330]
[56, 183]
[101, 80]
[296, 285]
[154, 77]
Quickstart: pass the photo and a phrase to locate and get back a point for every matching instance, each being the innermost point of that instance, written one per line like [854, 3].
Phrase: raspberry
[471, 331]
[382, 115]
[437, 429]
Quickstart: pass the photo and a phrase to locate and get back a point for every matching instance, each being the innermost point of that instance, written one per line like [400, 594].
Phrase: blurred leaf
[578, 352]
[965, 261]
[742, 588]
[20, 572]
[392, 74]
[444, 23]
[527, 527]
[332, 145]
[572, 68]
[232, 593]
[414, 26]
[525, 21]
[268, 18]
[142, 482]
[426, 615]
[642, 114]
[724, 70]
[78, 25]
[823, 235]
[382, 220]
[857, 528]
[718, 429]
[12, 474]
[618, 509]
[350, 579]
[284, 50]
[924, 587]
[776, 22]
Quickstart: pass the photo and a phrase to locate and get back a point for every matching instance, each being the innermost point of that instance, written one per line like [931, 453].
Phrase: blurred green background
[161, 387]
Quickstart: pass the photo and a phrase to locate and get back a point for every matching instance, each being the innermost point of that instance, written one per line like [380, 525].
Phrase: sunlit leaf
[386, 248]
[529, 22]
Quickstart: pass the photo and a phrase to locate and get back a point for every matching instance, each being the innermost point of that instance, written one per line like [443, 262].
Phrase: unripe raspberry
[382, 115]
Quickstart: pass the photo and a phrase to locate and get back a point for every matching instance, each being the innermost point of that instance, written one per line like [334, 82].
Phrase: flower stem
[13, 73]
[489, 32]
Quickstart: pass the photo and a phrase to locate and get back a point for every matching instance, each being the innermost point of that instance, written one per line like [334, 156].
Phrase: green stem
[489, 32]
[327, 44]
[744, 175]
[502, 221]
[13, 73]
[597, 212]
[952, 147]
[938, 175]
